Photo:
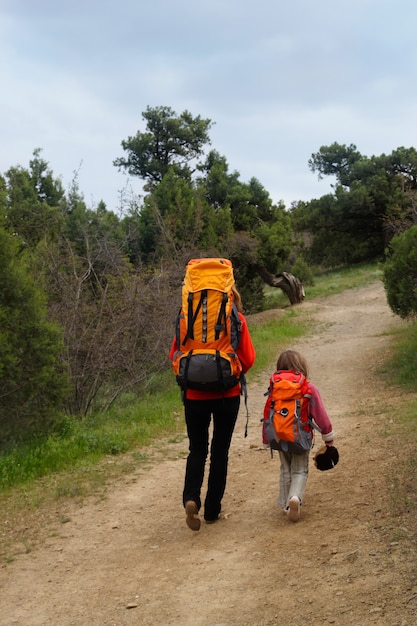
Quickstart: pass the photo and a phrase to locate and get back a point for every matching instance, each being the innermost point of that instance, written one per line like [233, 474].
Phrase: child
[294, 467]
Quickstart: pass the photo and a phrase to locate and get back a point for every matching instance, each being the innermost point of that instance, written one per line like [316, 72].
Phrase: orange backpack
[288, 425]
[208, 328]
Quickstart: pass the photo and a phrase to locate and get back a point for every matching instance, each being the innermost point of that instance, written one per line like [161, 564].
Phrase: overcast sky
[278, 79]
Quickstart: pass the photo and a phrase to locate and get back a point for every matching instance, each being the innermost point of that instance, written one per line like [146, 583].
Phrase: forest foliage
[89, 294]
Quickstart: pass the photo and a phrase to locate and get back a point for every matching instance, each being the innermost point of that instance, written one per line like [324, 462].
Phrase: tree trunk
[289, 284]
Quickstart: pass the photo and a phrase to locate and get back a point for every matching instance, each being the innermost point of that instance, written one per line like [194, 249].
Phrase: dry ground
[131, 560]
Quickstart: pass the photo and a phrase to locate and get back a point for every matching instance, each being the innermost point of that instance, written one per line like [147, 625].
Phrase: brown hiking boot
[192, 520]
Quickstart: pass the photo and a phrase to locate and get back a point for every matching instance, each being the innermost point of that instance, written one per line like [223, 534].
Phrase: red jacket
[246, 354]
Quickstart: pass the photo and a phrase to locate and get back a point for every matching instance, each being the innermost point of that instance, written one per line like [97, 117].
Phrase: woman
[200, 407]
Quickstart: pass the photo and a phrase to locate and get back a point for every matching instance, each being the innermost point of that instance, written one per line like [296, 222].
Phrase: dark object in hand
[326, 458]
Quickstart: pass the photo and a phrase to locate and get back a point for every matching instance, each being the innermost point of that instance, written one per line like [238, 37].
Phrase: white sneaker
[294, 509]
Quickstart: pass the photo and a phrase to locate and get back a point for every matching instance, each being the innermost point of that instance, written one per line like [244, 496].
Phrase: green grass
[331, 282]
[133, 424]
[272, 336]
[343, 279]
[402, 366]
[400, 372]
[93, 453]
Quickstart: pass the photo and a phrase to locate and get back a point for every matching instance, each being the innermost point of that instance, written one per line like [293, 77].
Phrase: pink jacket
[319, 414]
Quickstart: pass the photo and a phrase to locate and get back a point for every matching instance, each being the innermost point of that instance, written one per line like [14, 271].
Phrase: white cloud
[279, 81]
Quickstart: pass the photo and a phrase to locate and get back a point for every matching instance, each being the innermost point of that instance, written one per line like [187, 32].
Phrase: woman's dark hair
[237, 299]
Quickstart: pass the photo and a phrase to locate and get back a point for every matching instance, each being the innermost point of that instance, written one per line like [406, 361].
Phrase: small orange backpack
[288, 424]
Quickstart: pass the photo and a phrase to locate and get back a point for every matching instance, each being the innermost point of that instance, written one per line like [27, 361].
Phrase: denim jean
[198, 415]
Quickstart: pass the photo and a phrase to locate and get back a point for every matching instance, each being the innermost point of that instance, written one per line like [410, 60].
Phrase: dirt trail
[131, 560]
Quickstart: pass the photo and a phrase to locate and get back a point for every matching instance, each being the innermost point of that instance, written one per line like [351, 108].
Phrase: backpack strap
[187, 364]
[244, 392]
[298, 410]
[235, 327]
[202, 303]
[193, 316]
[221, 320]
[219, 369]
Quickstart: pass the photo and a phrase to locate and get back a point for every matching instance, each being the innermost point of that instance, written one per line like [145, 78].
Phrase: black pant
[198, 415]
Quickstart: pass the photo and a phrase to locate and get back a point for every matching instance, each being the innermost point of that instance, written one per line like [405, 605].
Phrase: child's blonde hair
[292, 360]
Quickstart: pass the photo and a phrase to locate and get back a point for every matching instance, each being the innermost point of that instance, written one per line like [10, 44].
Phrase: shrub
[400, 273]
[33, 381]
